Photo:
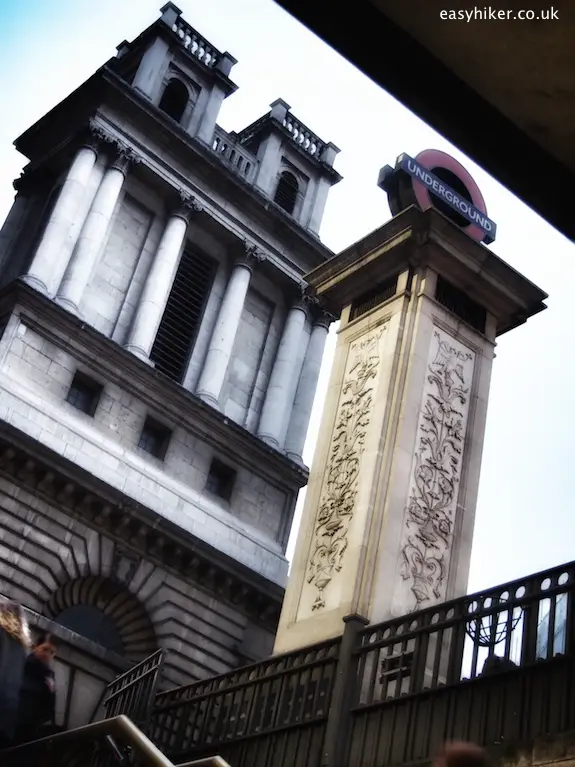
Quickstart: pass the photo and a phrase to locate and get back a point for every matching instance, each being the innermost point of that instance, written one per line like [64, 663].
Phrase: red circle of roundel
[433, 158]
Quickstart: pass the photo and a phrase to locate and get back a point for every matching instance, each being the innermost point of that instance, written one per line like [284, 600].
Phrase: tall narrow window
[174, 99]
[182, 315]
[286, 192]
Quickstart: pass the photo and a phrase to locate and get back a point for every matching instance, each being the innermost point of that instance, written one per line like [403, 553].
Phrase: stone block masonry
[107, 290]
[41, 553]
[35, 375]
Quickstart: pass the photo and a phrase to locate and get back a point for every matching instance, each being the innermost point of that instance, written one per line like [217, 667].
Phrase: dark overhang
[502, 91]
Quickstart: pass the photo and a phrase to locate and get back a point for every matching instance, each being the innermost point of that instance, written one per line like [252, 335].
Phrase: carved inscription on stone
[340, 488]
[427, 536]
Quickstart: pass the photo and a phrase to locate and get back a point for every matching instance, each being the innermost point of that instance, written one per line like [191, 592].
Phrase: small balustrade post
[170, 14]
[339, 721]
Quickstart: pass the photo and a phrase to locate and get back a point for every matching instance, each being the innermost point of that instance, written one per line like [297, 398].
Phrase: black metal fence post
[338, 728]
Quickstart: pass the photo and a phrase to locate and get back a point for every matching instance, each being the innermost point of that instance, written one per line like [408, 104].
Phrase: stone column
[276, 401]
[48, 265]
[306, 389]
[160, 279]
[222, 340]
[91, 239]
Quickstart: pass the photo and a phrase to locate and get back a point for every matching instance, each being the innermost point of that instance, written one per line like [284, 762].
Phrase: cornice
[117, 365]
[61, 483]
[427, 238]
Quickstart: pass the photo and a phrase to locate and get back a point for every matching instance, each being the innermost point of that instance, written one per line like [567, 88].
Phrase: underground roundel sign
[435, 180]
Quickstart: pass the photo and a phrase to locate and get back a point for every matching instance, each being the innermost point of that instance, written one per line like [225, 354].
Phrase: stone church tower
[158, 363]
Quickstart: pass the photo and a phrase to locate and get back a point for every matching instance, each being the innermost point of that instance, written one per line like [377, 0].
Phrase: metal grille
[373, 298]
[286, 192]
[492, 667]
[269, 713]
[459, 303]
[133, 692]
[182, 314]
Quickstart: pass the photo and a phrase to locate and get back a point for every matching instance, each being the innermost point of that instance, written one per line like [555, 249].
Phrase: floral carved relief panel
[340, 487]
[427, 534]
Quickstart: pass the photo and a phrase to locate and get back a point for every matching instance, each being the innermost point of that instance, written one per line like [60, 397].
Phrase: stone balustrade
[195, 44]
[302, 136]
[232, 153]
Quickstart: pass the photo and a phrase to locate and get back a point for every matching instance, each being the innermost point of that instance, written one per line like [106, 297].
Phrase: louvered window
[459, 303]
[286, 192]
[182, 315]
[372, 298]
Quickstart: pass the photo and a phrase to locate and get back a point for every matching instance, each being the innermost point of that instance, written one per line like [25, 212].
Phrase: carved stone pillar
[92, 236]
[222, 341]
[160, 279]
[388, 518]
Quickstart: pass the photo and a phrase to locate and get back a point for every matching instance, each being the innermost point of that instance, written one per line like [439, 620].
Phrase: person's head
[462, 755]
[44, 648]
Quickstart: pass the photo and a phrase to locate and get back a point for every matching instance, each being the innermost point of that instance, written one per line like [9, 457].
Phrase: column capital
[188, 206]
[121, 154]
[95, 136]
[322, 318]
[123, 157]
[302, 298]
[251, 255]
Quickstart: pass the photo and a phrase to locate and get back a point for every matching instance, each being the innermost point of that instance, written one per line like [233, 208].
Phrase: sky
[525, 516]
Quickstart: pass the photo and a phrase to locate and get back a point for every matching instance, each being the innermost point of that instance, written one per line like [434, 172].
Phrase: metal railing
[243, 712]
[132, 693]
[489, 667]
[103, 734]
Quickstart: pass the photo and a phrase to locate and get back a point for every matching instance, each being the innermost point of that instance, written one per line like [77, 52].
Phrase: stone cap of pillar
[95, 136]
[122, 49]
[427, 240]
[187, 207]
[321, 317]
[251, 256]
[302, 298]
[170, 14]
[123, 156]
[279, 110]
[329, 153]
[225, 63]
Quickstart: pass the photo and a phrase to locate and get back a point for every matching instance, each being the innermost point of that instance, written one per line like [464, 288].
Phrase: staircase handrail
[120, 726]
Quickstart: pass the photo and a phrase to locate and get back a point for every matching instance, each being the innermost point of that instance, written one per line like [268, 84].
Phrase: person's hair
[45, 638]
[462, 755]
[14, 623]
